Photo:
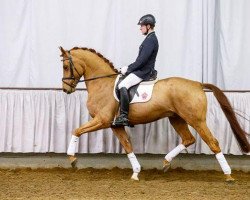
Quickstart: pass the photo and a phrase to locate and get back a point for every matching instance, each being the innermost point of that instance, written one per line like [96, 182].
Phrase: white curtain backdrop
[42, 121]
[203, 40]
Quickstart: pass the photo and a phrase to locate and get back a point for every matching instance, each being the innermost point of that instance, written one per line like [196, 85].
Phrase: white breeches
[129, 81]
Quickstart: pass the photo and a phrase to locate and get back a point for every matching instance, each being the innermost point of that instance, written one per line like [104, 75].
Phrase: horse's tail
[225, 105]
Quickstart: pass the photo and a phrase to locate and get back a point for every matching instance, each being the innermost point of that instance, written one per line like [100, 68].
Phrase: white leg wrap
[223, 163]
[72, 145]
[134, 162]
[169, 157]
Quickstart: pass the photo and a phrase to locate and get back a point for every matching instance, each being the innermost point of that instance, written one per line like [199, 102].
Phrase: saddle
[139, 93]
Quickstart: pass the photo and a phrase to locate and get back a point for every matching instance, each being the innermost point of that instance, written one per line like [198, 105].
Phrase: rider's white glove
[123, 70]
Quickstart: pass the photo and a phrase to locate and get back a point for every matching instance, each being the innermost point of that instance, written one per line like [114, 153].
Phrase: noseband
[72, 77]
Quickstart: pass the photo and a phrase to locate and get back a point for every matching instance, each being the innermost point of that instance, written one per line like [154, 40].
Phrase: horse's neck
[100, 90]
[102, 86]
[96, 67]
[97, 71]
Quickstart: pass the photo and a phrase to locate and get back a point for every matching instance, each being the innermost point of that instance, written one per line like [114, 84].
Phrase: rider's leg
[122, 120]
[123, 87]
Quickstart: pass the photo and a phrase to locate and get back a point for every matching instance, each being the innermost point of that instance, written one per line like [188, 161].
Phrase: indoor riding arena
[189, 139]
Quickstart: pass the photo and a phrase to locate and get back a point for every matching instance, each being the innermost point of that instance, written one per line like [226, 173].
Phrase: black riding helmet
[147, 19]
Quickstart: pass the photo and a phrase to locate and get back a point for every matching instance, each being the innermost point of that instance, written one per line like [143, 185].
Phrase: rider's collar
[150, 33]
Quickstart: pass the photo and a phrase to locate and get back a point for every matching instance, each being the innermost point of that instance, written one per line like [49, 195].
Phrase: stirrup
[121, 121]
[113, 125]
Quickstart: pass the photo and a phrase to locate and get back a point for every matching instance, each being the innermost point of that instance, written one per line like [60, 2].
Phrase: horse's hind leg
[124, 140]
[213, 144]
[181, 127]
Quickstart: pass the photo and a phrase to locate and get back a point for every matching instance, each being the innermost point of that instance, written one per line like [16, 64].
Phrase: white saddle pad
[144, 91]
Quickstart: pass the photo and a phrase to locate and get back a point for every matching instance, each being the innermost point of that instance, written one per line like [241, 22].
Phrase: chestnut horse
[183, 101]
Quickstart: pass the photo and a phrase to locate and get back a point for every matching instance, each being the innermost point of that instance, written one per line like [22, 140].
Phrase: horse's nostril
[65, 90]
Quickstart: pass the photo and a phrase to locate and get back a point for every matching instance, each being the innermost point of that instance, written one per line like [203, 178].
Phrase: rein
[97, 77]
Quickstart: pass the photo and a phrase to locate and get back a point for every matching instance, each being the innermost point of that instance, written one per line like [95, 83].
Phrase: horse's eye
[65, 67]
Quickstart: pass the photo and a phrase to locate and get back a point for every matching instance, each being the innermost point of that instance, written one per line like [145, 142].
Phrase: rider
[141, 70]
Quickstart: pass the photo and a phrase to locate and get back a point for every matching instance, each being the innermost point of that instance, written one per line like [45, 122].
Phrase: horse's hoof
[135, 176]
[73, 161]
[166, 166]
[229, 178]
[73, 164]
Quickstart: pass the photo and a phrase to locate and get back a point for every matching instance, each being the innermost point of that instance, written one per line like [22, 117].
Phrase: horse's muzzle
[66, 91]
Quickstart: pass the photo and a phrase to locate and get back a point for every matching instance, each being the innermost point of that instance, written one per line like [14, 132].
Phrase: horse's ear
[62, 50]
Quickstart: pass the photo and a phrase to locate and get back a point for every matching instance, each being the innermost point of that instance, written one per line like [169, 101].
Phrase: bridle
[71, 68]
[77, 80]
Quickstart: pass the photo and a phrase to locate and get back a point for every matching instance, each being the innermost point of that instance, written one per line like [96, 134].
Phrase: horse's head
[73, 69]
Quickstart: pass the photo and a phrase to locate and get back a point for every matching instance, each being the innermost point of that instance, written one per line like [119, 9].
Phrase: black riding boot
[122, 120]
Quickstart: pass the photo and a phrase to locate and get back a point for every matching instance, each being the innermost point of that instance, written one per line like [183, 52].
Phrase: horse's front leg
[92, 125]
[124, 140]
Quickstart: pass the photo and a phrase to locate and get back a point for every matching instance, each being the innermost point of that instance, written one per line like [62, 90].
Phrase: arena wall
[109, 161]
